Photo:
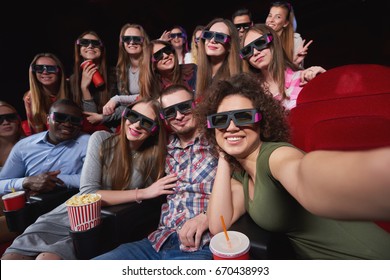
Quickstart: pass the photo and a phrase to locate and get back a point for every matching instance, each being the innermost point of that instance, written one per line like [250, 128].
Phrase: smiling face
[131, 47]
[9, 127]
[90, 52]
[277, 19]
[237, 141]
[214, 48]
[134, 132]
[167, 63]
[45, 78]
[260, 59]
[63, 131]
[181, 123]
[177, 42]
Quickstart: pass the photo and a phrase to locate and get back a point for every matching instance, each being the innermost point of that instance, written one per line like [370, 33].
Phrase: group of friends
[211, 135]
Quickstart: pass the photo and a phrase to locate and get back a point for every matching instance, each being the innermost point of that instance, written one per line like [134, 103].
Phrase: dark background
[344, 31]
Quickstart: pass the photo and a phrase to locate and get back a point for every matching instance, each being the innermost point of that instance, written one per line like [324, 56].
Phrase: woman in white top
[132, 41]
[281, 18]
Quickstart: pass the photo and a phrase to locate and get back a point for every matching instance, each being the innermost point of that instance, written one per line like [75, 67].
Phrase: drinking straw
[224, 229]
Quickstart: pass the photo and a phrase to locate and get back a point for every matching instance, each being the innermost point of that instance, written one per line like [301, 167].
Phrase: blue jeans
[143, 250]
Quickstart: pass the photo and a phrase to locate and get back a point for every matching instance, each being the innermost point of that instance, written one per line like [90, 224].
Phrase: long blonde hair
[194, 45]
[151, 154]
[41, 102]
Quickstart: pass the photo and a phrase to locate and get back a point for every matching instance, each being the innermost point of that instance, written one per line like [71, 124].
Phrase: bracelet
[136, 199]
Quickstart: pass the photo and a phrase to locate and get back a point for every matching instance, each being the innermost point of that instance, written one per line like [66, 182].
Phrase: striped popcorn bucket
[84, 216]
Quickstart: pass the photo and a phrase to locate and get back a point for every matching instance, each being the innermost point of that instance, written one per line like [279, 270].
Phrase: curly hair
[273, 125]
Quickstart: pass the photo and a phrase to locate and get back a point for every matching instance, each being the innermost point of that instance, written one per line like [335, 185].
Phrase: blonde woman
[47, 84]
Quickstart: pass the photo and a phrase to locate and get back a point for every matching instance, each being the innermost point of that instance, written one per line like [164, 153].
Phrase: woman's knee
[15, 256]
[48, 256]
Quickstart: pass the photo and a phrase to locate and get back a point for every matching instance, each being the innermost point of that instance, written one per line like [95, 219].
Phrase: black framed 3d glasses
[63, 118]
[184, 107]
[218, 36]
[40, 68]
[239, 117]
[244, 25]
[177, 35]
[86, 42]
[146, 123]
[158, 55]
[8, 117]
[258, 44]
[138, 40]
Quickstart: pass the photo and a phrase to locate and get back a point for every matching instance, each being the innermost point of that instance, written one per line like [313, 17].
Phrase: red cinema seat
[345, 108]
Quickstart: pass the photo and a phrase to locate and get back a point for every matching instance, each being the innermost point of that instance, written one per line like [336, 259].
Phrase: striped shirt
[196, 169]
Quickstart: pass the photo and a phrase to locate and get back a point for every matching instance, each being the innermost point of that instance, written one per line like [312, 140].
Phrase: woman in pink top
[262, 53]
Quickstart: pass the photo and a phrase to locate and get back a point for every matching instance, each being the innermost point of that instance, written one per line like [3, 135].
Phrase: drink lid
[238, 244]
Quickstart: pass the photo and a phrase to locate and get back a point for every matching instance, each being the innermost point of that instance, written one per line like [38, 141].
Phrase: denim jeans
[143, 250]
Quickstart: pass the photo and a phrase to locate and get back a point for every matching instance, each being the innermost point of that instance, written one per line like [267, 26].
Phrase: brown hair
[279, 61]
[231, 64]
[123, 63]
[101, 95]
[287, 34]
[152, 153]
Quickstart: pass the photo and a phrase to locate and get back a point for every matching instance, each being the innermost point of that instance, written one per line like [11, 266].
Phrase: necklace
[134, 154]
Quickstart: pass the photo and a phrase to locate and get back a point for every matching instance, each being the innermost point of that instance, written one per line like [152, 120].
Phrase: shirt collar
[43, 138]
[175, 143]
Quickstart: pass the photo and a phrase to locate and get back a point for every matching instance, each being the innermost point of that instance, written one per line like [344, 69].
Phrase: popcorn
[84, 211]
[83, 199]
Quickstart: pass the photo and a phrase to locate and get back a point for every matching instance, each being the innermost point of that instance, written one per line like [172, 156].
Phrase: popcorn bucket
[84, 211]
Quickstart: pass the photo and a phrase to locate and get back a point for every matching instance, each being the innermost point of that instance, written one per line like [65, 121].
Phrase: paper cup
[97, 78]
[14, 201]
[236, 249]
[84, 214]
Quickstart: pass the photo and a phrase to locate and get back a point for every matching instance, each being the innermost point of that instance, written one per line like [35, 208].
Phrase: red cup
[97, 78]
[84, 211]
[14, 201]
[237, 248]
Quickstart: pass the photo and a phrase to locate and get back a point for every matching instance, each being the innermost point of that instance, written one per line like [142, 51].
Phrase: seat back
[345, 108]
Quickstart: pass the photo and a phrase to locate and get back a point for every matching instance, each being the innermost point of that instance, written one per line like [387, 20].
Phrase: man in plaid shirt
[183, 229]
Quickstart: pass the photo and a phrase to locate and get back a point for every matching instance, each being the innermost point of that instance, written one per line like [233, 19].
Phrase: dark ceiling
[344, 31]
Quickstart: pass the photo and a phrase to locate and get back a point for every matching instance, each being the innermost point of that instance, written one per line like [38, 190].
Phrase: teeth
[233, 138]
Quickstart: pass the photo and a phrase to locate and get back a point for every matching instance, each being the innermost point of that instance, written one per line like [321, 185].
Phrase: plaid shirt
[196, 169]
